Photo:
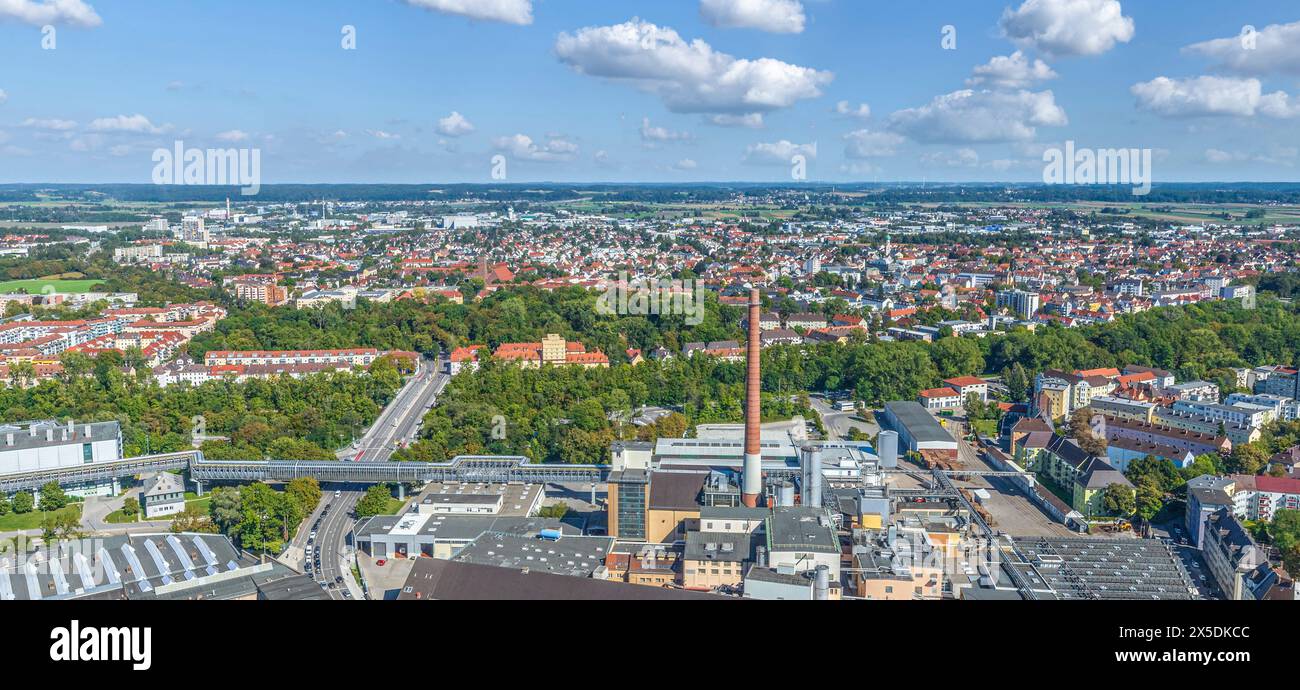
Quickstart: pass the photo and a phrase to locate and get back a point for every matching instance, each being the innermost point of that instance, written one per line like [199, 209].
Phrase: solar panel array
[1108, 568]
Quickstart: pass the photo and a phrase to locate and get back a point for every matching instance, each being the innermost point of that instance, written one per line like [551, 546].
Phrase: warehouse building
[47, 445]
[917, 428]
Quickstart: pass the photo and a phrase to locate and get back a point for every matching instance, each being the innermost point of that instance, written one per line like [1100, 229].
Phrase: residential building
[164, 494]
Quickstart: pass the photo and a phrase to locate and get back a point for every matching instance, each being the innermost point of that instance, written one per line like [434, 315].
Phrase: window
[87, 453]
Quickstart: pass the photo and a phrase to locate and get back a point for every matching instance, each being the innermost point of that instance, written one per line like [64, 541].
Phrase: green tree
[557, 511]
[305, 492]
[1017, 381]
[1148, 498]
[1250, 458]
[131, 507]
[60, 525]
[53, 497]
[23, 502]
[5, 505]
[225, 509]
[375, 501]
[193, 520]
[1119, 500]
[1089, 439]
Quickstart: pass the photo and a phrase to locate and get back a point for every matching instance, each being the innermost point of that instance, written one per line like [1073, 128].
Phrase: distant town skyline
[518, 91]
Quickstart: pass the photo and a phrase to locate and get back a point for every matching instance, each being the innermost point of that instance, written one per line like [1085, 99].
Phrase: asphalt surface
[1011, 509]
[400, 421]
[839, 423]
[331, 556]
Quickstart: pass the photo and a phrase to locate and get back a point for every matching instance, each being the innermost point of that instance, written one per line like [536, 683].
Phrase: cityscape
[645, 303]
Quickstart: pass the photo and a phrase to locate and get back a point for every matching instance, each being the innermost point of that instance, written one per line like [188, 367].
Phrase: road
[331, 556]
[400, 421]
[839, 423]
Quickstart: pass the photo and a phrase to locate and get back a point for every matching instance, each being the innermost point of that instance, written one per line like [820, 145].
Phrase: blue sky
[632, 91]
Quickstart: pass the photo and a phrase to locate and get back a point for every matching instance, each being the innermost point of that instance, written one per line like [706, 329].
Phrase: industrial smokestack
[822, 588]
[813, 466]
[752, 483]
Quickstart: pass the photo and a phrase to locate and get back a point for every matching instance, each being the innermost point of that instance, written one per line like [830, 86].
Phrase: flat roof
[725, 547]
[801, 528]
[571, 555]
[434, 580]
[920, 424]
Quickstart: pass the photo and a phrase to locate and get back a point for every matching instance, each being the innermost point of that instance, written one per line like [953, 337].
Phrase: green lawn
[34, 287]
[117, 517]
[394, 506]
[14, 522]
[986, 427]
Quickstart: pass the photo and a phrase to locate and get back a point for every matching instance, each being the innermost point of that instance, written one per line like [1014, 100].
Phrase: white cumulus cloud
[1212, 96]
[862, 111]
[455, 125]
[1068, 27]
[778, 153]
[970, 116]
[42, 12]
[866, 143]
[654, 134]
[136, 124]
[961, 158]
[507, 11]
[1013, 71]
[774, 16]
[53, 125]
[750, 121]
[1275, 49]
[689, 77]
[233, 136]
[522, 147]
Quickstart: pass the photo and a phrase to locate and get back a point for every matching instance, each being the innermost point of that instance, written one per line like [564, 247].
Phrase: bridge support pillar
[401, 491]
[117, 486]
[198, 487]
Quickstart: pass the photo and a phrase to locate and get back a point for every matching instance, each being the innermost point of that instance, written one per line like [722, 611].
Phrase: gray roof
[1099, 474]
[731, 547]
[34, 434]
[461, 527]
[434, 580]
[734, 513]
[164, 483]
[1092, 568]
[134, 567]
[921, 425]
[577, 556]
[801, 528]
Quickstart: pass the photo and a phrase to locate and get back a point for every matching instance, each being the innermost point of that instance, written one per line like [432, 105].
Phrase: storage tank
[785, 494]
[888, 450]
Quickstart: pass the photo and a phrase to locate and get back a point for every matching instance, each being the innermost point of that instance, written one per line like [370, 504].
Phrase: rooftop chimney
[752, 484]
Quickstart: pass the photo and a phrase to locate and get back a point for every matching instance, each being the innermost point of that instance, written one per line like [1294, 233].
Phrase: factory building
[48, 445]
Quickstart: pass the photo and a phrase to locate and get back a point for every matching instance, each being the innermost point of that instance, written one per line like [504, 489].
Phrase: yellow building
[554, 350]
[878, 578]
[716, 559]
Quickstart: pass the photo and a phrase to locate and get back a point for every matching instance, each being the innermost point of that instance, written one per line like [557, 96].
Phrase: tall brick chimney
[752, 483]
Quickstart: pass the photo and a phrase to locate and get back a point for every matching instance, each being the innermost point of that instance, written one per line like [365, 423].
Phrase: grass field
[14, 522]
[35, 287]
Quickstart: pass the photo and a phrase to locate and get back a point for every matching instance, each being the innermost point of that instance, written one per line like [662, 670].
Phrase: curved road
[398, 423]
